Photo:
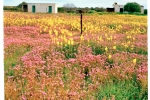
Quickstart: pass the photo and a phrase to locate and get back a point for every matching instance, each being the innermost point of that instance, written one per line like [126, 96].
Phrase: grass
[134, 50]
[68, 50]
[13, 55]
[138, 14]
[122, 90]
[97, 49]
[65, 72]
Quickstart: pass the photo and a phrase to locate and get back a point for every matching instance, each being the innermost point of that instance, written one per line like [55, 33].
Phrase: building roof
[41, 3]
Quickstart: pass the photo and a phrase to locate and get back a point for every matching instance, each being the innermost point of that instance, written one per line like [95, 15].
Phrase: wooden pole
[81, 23]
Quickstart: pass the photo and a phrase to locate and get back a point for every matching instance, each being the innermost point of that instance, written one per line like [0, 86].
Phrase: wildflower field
[46, 58]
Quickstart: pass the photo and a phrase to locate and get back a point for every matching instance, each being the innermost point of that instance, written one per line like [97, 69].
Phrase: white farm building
[120, 8]
[40, 7]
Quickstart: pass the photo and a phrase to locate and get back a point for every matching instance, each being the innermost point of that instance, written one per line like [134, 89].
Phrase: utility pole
[81, 12]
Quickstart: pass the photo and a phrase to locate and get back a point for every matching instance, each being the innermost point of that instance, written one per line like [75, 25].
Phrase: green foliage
[134, 50]
[97, 49]
[145, 11]
[122, 90]
[61, 9]
[9, 8]
[112, 26]
[132, 7]
[92, 8]
[68, 50]
[101, 9]
[86, 9]
[65, 73]
[10, 72]
[137, 14]
[91, 11]
[20, 5]
[12, 58]
[14, 8]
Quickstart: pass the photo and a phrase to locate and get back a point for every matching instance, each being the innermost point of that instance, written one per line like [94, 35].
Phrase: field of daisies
[46, 58]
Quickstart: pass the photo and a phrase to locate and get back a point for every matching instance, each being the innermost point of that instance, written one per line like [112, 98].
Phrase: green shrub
[145, 11]
[91, 11]
[132, 7]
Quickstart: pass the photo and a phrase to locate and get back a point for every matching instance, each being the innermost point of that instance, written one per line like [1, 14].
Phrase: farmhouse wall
[142, 9]
[42, 7]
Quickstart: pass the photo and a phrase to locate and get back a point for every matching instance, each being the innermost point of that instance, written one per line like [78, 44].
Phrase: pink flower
[23, 98]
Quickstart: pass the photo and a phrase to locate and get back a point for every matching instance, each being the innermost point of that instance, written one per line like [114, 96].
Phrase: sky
[77, 3]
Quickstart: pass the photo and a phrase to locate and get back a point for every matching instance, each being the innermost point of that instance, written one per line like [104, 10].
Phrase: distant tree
[12, 8]
[100, 9]
[61, 9]
[20, 5]
[69, 7]
[92, 8]
[86, 9]
[132, 7]
[145, 11]
[96, 9]
[74, 9]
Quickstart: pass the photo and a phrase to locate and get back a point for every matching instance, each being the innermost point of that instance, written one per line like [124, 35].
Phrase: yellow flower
[82, 38]
[106, 49]
[132, 47]
[128, 37]
[129, 42]
[61, 43]
[108, 39]
[134, 61]
[114, 47]
[56, 33]
[110, 56]
[100, 38]
[126, 45]
[57, 43]
[71, 42]
[50, 32]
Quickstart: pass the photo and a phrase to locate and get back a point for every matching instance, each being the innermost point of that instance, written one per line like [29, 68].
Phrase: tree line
[71, 8]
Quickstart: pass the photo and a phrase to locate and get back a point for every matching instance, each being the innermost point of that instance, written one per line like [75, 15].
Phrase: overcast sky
[77, 3]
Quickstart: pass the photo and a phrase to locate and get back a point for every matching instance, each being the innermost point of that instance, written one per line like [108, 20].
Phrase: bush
[20, 5]
[61, 9]
[145, 11]
[92, 11]
[12, 8]
[125, 12]
[100, 9]
[132, 7]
